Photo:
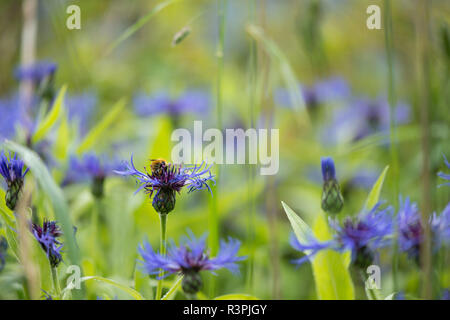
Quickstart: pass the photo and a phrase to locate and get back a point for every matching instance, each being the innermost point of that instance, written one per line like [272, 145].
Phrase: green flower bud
[192, 282]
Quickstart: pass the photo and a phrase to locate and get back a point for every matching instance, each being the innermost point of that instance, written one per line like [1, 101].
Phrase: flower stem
[173, 289]
[162, 250]
[393, 139]
[55, 279]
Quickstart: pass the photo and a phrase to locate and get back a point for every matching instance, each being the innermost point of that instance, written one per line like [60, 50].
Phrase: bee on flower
[166, 179]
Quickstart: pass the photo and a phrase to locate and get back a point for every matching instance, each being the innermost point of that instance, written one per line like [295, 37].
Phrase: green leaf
[142, 284]
[51, 117]
[136, 295]
[53, 192]
[160, 147]
[62, 139]
[286, 70]
[139, 24]
[5, 212]
[390, 297]
[374, 194]
[173, 290]
[330, 268]
[302, 231]
[97, 132]
[236, 296]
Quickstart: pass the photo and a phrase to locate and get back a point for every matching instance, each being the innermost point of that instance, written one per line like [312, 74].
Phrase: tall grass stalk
[424, 90]
[393, 131]
[251, 218]
[213, 219]
[162, 250]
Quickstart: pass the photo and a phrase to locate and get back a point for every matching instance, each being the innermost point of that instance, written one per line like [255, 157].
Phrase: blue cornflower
[166, 179]
[3, 248]
[12, 171]
[189, 258]
[47, 237]
[91, 168]
[411, 231]
[332, 200]
[80, 108]
[36, 72]
[42, 75]
[443, 175]
[194, 101]
[328, 90]
[363, 236]
[364, 117]
[10, 116]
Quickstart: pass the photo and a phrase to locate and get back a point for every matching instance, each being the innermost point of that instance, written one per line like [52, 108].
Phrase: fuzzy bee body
[157, 166]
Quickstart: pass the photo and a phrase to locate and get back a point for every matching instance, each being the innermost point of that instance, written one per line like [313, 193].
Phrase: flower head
[12, 171]
[36, 72]
[80, 108]
[168, 180]
[189, 258]
[325, 91]
[92, 168]
[411, 230]
[363, 236]
[47, 236]
[332, 200]
[445, 176]
[191, 101]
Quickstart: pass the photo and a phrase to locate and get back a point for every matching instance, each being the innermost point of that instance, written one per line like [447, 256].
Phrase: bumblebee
[157, 166]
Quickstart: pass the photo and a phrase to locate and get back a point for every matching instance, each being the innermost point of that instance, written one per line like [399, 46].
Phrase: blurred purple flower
[10, 116]
[325, 91]
[364, 117]
[363, 236]
[445, 176]
[80, 109]
[47, 236]
[411, 232]
[195, 101]
[36, 72]
[91, 168]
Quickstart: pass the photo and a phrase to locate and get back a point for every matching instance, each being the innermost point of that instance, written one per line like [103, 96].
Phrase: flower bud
[364, 258]
[332, 200]
[164, 201]
[192, 282]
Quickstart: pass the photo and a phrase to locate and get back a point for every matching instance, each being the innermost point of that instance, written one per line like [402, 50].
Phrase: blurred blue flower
[362, 118]
[443, 175]
[36, 72]
[47, 237]
[189, 258]
[445, 294]
[362, 235]
[194, 101]
[325, 91]
[80, 109]
[12, 172]
[168, 180]
[411, 231]
[10, 116]
[91, 168]
[3, 248]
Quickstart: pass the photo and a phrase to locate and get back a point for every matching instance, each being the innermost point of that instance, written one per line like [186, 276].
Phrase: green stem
[174, 288]
[55, 279]
[213, 218]
[393, 133]
[162, 250]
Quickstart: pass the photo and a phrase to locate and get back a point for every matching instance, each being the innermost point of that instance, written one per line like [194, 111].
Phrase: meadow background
[308, 68]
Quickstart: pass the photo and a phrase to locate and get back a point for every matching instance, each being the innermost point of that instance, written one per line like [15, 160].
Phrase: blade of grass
[139, 24]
